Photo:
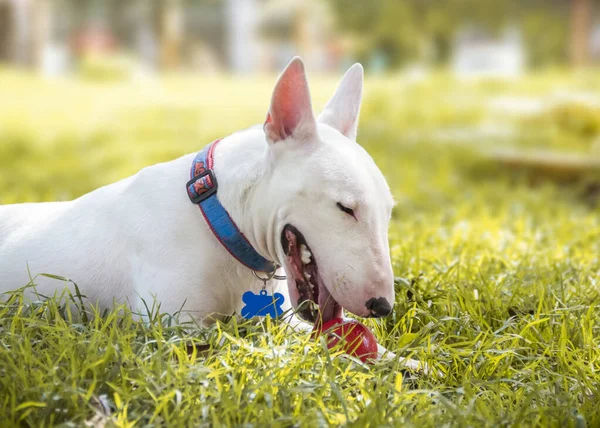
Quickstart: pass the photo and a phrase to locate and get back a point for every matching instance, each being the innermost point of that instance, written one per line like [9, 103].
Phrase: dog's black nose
[379, 307]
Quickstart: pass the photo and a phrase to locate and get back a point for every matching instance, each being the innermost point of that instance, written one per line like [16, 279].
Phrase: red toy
[359, 341]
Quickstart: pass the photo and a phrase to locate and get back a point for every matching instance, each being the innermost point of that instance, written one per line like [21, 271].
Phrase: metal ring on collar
[270, 276]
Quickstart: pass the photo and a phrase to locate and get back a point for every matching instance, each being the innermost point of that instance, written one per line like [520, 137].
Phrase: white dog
[299, 193]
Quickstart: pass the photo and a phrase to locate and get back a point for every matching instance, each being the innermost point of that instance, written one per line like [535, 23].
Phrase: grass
[497, 282]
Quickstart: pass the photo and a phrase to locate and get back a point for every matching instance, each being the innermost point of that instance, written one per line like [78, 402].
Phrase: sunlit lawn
[497, 273]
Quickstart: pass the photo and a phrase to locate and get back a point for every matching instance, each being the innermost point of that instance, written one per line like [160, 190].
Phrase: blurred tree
[171, 32]
[6, 31]
[580, 31]
[425, 29]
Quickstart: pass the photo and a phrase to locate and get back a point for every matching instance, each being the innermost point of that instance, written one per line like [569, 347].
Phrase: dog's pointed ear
[290, 113]
[342, 110]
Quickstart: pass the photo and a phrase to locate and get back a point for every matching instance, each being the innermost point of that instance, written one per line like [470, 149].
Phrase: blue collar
[202, 190]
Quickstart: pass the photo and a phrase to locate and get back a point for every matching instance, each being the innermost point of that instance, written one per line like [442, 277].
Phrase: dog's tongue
[326, 304]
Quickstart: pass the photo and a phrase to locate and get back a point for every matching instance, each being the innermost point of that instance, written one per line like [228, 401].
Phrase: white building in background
[476, 54]
[242, 35]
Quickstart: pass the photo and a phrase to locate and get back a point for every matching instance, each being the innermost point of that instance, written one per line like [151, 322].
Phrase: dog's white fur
[141, 238]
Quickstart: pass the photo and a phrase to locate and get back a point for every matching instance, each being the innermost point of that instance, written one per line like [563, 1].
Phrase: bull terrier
[296, 197]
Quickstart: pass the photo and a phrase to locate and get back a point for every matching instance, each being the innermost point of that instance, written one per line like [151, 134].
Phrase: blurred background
[493, 37]
[93, 90]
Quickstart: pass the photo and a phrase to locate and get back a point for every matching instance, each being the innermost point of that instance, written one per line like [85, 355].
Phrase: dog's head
[333, 203]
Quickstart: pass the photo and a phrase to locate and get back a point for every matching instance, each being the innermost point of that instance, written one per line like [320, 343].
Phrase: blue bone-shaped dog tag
[262, 304]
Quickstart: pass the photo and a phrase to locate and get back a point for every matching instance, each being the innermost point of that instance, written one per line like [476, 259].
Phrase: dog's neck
[241, 167]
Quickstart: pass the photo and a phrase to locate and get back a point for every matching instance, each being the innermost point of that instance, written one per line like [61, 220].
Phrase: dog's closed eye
[347, 210]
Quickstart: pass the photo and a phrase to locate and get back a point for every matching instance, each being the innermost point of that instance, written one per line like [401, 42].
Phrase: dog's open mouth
[315, 304]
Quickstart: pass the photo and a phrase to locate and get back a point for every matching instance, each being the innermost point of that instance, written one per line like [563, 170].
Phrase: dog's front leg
[298, 324]
[385, 354]
[382, 353]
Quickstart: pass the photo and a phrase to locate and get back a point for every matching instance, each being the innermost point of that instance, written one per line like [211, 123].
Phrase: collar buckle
[202, 186]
